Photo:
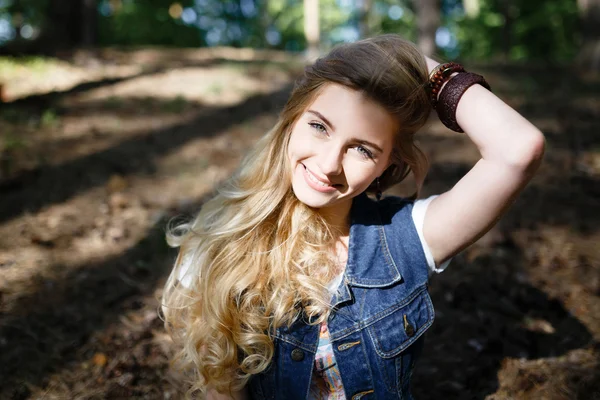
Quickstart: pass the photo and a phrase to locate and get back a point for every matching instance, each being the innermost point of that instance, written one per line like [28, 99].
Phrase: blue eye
[364, 152]
[318, 127]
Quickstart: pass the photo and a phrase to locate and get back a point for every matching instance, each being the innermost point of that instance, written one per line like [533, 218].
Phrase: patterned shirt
[326, 381]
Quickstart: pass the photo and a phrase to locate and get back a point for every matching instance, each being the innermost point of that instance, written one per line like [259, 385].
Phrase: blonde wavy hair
[258, 258]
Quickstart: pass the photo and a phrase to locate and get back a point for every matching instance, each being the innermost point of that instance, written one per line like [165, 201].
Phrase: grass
[49, 118]
[215, 88]
[113, 103]
[14, 115]
[176, 104]
[15, 66]
[12, 142]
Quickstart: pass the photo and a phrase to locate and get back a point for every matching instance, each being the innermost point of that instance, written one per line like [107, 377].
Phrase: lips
[317, 183]
[316, 180]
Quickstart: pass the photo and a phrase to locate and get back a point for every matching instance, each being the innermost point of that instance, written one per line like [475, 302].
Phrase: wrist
[438, 77]
[445, 83]
[431, 64]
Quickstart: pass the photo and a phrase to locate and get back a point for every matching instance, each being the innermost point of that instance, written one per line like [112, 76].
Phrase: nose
[330, 161]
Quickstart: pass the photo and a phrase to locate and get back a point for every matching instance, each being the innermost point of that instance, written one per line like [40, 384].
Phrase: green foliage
[14, 115]
[113, 103]
[176, 104]
[147, 22]
[49, 118]
[25, 11]
[288, 18]
[518, 30]
[14, 66]
[404, 26]
[12, 142]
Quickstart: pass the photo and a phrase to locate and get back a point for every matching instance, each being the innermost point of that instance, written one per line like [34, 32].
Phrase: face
[338, 147]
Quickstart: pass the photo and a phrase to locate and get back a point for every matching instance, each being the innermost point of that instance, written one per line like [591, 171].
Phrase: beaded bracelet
[438, 76]
[451, 95]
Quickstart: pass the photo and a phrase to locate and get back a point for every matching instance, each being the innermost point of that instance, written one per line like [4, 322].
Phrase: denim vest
[381, 310]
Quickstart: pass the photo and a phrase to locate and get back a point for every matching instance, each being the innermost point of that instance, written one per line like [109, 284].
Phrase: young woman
[292, 282]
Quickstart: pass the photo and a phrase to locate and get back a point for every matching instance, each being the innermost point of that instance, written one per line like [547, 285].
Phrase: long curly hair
[255, 257]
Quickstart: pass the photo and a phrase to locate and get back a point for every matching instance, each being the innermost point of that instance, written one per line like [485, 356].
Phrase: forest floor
[99, 150]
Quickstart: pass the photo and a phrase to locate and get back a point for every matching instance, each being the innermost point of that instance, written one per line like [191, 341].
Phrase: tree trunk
[588, 59]
[264, 21]
[89, 11]
[428, 21]
[507, 29]
[311, 28]
[363, 18]
[70, 24]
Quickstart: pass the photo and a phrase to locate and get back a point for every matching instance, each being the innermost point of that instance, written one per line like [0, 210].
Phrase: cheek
[300, 143]
[293, 144]
[360, 175]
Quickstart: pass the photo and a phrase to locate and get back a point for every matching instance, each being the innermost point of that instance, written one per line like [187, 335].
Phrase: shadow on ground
[33, 190]
[486, 310]
[47, 330]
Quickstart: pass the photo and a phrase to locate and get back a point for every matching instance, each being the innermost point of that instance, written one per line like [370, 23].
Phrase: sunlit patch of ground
[133, 93]
[38, 75]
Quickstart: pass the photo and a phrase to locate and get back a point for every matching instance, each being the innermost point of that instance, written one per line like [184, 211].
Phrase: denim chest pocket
[395, 338]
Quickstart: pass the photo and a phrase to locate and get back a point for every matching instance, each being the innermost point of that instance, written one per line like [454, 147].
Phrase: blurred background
[119, 115]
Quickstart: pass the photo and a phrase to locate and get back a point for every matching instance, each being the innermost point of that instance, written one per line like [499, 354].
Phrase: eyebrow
[321, 116]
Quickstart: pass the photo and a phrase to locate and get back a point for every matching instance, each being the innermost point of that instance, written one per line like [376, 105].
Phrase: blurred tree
[311, 28]
[589, 54]
[428, 21]
[156, 22]
[264, 21]
[471, 8]
[89, 24]
[515, 30]
[70, 23]
[396, 17]
[364, 10]
[508, 10]
[44, 26]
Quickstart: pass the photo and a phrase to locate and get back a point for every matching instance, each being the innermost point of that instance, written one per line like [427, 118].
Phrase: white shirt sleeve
[418, 216]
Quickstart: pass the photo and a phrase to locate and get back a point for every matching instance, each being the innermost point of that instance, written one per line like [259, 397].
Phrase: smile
[316, 183]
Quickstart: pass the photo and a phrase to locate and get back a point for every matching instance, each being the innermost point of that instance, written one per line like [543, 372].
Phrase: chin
[313, 200]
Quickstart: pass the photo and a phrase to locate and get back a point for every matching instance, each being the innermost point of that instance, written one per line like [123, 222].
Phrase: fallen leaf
[99, 359]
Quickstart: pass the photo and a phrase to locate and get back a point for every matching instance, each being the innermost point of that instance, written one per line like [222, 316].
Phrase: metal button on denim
[408, 328]
[297, 355]
[410, 331]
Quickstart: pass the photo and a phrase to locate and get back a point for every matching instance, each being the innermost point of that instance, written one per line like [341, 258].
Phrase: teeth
[315, 180]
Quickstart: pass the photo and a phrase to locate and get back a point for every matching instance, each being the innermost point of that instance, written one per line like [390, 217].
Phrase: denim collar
[370, 264]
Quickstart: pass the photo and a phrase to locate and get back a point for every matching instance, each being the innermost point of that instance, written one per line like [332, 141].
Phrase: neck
[338, 216]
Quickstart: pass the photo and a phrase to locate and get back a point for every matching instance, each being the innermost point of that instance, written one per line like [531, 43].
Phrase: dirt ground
[99, 150]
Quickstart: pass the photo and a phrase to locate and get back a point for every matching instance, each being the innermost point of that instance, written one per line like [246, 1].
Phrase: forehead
[352, 112]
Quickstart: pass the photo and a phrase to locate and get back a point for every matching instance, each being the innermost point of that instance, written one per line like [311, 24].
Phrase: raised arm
[511, 150]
